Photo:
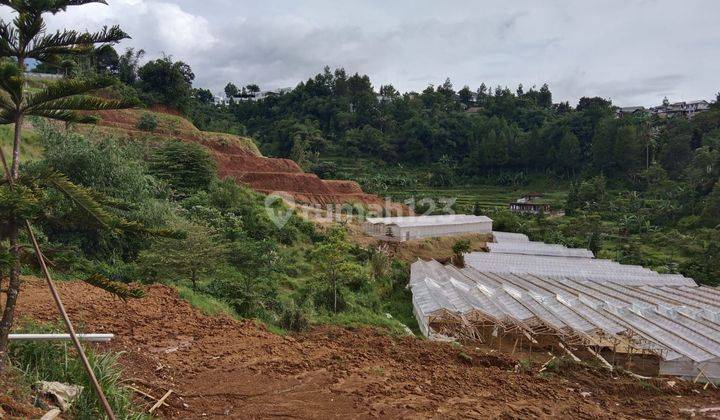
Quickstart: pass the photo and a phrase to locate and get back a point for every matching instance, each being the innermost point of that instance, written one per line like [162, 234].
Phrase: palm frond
[29, 25]
[81, 196]
[45, 6]
[81, 103]
[8, 39]
[90, 201]
[6, 101]
[12, 81]
[73, 42]
[67, 87]
[116, 288]
[66, 116]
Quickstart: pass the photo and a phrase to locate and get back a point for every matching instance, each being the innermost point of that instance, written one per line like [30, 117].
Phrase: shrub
[147, 122]
[187, 167]
[293, 318]
[460, 248]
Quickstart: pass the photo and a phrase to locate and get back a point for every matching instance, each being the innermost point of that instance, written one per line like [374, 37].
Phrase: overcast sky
[634, 52]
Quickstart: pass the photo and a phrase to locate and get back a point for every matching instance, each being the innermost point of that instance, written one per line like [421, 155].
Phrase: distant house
[682, 109]
[252, 96]
[42, 76]
[531, 203]
[632, 111]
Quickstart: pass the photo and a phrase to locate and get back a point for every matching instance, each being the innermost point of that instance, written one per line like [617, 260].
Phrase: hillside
[218, 366]
[239, 158]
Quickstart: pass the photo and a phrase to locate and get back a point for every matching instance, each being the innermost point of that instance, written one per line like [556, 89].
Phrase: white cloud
[633, 51]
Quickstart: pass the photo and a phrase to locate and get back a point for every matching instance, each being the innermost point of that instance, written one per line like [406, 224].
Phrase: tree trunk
[335, 297]
[13, 291]
[14, 171]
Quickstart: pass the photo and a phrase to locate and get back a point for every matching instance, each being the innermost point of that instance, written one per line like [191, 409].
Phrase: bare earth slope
[224, 367]
[238, 157]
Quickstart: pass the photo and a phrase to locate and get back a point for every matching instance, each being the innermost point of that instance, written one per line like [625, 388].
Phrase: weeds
[57, 361]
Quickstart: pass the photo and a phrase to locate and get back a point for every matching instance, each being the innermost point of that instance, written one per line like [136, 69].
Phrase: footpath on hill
[218, 366]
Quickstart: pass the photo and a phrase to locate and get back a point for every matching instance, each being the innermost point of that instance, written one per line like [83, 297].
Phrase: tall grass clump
[58, 362]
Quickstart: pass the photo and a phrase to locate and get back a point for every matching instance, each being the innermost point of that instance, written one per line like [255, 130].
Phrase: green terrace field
[403, 183]
[485, 196]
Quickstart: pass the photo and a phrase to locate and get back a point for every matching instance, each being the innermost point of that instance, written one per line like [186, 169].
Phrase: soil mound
[344, 187]
[222, 367]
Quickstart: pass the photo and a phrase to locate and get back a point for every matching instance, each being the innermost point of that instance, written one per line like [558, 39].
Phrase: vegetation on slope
[227, 246]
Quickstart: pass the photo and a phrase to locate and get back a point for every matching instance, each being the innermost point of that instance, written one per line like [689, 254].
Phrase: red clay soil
[344, 187]
[235, 159]
[219, 367]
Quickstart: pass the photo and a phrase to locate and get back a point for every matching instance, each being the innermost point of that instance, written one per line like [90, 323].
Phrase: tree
[168, 83]
[465, 95]
[231, 91]
[335, 267]
[253, 88]
[204, 96]
[187, 167]
[21, 40]
[545, 97]
[389, 91]
[196, 254]
[128, 65]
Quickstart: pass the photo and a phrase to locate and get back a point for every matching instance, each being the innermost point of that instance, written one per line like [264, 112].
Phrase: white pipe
[93, 338]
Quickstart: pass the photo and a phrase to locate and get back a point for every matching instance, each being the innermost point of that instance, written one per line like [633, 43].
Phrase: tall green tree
[22, 39]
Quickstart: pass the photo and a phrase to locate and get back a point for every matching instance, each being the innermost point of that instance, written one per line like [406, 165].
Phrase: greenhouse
[655, 324]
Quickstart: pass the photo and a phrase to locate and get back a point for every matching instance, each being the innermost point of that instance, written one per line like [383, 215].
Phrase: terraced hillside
[239, 158]
[402, 183]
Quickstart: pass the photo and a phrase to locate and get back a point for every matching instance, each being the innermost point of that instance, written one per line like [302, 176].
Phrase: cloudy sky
[632, 51]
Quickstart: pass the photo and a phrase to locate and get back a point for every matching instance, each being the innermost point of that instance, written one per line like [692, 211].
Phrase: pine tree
[23, 39]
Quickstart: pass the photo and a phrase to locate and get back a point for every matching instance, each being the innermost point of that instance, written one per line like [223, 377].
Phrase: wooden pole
[68, 324]
[61, 308]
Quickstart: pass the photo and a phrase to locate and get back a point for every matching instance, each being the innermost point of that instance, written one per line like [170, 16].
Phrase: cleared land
[221, 367]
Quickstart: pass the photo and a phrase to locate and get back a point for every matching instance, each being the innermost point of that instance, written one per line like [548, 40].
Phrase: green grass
[414, 183]
[206, 303]
[486, 196]
[57, 361]
[30, 148]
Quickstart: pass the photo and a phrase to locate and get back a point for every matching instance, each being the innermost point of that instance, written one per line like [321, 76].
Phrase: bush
[187, 167]
[147, 122]
[293, 318]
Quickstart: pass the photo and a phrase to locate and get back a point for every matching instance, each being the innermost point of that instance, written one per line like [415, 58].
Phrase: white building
[407, 228]
[685, 109]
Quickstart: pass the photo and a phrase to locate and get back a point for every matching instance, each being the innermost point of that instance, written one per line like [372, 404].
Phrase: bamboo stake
[575, 358]
[161, 401]
[602, 359]
[61, 308]
[68, 324]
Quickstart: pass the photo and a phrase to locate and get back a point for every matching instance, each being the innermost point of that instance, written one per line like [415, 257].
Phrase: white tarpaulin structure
[578, 302]
[418, 227]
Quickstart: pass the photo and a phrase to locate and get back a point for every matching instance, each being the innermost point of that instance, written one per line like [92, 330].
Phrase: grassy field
[402, 183]
[485, 196]
[30, 148]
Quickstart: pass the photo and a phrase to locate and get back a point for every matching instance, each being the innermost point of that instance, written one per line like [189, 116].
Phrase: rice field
[486, 196]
